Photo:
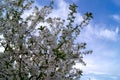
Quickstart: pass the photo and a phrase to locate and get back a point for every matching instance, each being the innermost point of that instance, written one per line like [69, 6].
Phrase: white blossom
[34, 51]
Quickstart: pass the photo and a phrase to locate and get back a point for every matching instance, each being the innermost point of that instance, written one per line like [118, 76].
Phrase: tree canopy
[33, 51]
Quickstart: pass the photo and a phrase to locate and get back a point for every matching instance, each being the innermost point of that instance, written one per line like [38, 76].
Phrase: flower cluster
[34, 51]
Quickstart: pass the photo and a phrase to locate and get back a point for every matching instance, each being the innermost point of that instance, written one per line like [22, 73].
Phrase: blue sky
[101, 35]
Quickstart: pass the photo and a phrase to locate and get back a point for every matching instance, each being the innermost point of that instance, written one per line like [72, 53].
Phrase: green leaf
[89, 14]
[41, 28]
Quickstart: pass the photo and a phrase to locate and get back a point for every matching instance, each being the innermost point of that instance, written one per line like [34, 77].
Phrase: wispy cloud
[99, 38]
[116, 17]
[100, 32]
[108, 34]
[99, 77]
[104, 56]
[61, 11]
[93, 78]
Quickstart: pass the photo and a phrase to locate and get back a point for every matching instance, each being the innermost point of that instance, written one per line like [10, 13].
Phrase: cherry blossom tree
[33, 51]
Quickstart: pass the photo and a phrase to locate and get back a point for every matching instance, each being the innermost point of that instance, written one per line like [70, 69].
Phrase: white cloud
[114, 77]
[100, 32]
[102, 62]
[93, 78]
[62, 11]
[116, 17]
[108, 34]
[103, 59]
[97, 67]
